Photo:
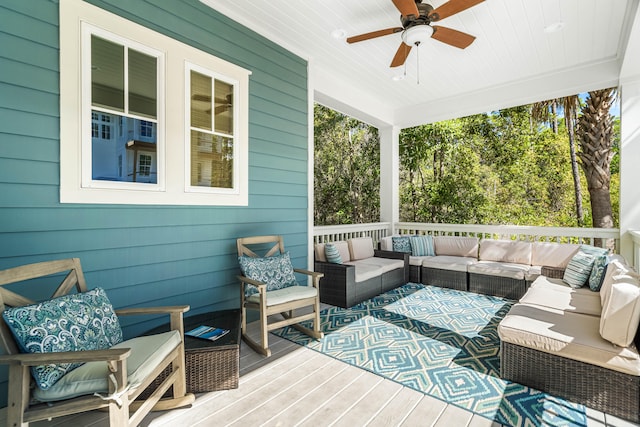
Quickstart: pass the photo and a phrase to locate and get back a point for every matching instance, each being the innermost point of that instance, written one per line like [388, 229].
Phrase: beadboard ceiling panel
[511, 51]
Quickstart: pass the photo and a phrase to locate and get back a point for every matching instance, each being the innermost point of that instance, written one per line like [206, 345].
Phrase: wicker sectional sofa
[497, 267]
[362, 272]
[577, 343]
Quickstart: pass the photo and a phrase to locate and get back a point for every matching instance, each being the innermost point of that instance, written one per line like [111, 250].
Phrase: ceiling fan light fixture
[417, 34]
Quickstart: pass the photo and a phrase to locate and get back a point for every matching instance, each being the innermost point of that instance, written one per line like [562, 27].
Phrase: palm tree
[545, 111]
[595, 133]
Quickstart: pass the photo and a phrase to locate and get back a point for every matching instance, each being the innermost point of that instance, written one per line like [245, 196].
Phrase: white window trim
[171, 116]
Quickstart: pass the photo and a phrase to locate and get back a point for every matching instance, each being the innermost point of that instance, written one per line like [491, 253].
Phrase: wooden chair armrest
[152, 310]
[255, 283]
[35, 359]
[314, 274]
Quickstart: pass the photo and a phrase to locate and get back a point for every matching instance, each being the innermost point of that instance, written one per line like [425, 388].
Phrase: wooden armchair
[111, 379]
[268, 286]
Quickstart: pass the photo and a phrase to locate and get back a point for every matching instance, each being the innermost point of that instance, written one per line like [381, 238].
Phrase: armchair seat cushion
[147, 352]
[284, 295]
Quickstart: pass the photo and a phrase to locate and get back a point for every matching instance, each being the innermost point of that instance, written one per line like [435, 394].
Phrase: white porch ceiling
[512, 61]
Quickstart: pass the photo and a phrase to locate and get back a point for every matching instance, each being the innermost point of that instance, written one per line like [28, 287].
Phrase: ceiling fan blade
[373, 34]
[401, 55]
[452, 37]
[407, 7]
[451, 8]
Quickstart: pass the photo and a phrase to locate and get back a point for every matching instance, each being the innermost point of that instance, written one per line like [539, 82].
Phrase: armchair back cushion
[274, 271]
[456, 246]
[74, 322]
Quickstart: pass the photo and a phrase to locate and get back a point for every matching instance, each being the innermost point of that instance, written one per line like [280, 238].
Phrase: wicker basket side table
[212, 365]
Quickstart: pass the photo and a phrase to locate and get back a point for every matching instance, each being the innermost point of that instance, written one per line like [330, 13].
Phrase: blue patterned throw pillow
[274, 271]
[84, 321]
[422, 246]
[597, 272]
[401, 244]
[332, 254]
[578, 270]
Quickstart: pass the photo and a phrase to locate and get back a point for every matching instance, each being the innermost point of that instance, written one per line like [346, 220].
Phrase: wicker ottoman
[211, 365]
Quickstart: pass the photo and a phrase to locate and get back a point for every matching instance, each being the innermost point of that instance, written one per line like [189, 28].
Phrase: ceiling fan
[416, 18]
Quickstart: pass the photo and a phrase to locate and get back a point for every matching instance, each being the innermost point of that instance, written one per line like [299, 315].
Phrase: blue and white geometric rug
[443, 343]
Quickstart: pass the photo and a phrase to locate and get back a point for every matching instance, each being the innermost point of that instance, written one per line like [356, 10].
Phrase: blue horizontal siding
[147, 255]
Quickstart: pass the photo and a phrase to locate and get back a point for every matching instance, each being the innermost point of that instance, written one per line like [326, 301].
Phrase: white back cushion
[361, 248]
[616, 270]
[342, 247]
[514, 251]
[621, 314]
[456, 246]
[552, 254]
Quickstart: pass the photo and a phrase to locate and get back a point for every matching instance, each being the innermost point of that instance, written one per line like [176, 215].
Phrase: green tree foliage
[492, 168]
[346, 169]
[502, 167]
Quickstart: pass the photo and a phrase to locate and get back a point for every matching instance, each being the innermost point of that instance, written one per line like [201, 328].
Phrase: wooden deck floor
[300, 387]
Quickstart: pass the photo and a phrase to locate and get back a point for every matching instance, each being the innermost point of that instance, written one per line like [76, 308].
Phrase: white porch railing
[332, 233]
[534, 234]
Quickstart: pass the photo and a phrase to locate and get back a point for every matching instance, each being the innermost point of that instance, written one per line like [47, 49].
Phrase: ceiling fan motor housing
[424, 10]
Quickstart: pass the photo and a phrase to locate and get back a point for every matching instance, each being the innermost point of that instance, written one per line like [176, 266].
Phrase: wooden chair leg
[18, 400]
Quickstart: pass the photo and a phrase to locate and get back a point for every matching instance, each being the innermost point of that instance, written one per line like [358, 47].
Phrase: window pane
[126, 157]
[224, 107]
[211, 160]
[107, 74]
[200, 101]
[142, 84]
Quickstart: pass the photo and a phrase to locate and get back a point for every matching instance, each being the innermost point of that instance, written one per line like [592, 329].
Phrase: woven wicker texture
[608, 391]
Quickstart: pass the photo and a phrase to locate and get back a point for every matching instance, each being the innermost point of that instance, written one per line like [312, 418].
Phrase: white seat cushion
[387, 264]
[566, 334]
[554, 293]
[290, 293]
[446, 262]
[365, 271]
[417, 260]
[146, 354]
[499, 269]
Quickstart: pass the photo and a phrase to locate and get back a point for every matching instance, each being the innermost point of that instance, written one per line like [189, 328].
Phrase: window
[118, 143]
[210, 154]
[123, 89]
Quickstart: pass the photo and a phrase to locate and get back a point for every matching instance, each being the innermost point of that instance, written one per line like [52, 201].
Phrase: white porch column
[629, 165]
[389, 174]
[630, 142]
